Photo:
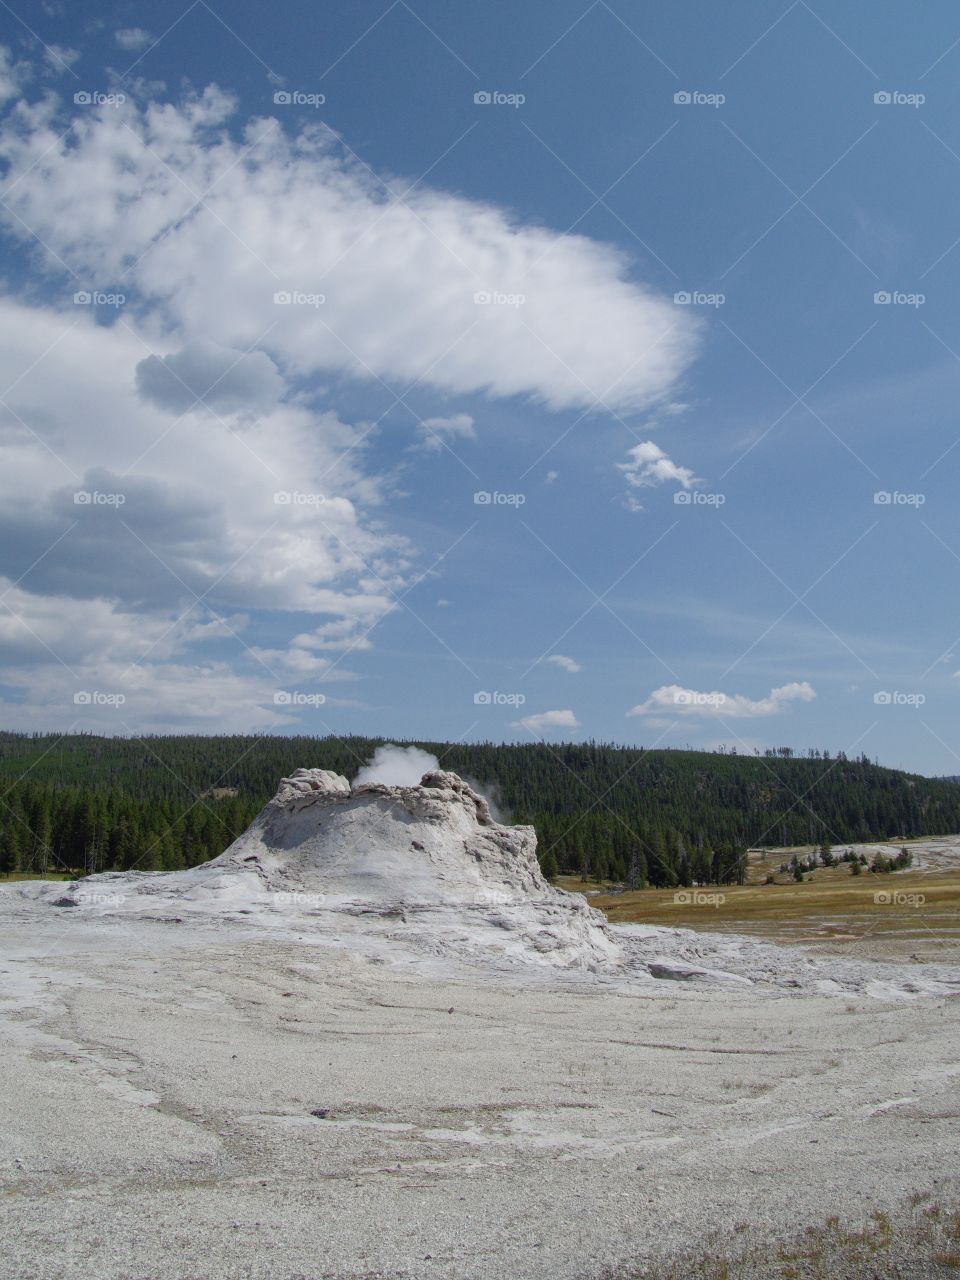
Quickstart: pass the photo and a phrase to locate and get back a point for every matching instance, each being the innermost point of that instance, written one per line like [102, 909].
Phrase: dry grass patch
[834, 906]
[916, 1241]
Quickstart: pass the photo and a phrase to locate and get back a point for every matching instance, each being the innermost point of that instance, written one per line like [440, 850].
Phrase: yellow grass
[832, 905]
[17, 876]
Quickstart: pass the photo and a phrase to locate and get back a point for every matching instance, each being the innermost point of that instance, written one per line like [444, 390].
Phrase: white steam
[397, 766]
[404, 767]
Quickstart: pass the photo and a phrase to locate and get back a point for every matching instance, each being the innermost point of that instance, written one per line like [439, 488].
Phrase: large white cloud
[271, 512]
[143, 533]
[211, 227]
[166, 482]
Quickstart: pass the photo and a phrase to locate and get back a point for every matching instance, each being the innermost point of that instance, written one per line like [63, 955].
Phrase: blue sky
[688, 537]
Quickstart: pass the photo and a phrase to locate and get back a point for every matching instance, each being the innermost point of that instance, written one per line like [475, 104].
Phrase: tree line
[663, 817]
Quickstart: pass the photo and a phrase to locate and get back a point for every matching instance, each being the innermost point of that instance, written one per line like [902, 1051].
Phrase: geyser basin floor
[370, 1040]
[160, 1085]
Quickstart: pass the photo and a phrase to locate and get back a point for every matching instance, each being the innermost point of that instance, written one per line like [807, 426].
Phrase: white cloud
[397, 270]
[60, 57]
[57, 651]
[116, 582]
[649, 466]
[13, 75]
[565, 664]
[546, 720]
[299, 662]
[204, 376]
[252, 501]
[132, 39]
[675, 700]
[272, 511]
[437, 433]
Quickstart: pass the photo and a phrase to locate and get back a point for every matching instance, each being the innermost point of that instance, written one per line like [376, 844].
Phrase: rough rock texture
[428, 844]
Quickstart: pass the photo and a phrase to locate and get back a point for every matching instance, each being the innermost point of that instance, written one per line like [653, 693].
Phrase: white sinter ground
[371, 1040]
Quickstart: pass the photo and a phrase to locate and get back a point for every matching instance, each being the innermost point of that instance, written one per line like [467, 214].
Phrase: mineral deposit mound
[424, 866]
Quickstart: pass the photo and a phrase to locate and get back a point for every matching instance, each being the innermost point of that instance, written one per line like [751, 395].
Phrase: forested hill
[666, 816]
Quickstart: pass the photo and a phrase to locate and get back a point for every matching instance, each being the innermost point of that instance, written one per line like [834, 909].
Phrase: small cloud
[674, 700]
[565, 664]
[60, 57]
[443, 604]
[133, 39]
[650, 466]
[435, 433]
[13, 75]
[215, 628]
[547, 720]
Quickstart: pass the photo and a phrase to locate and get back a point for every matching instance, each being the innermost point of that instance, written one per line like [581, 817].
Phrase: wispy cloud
[675, 700]
[434, 434]
[564, 663]
[545, 720]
